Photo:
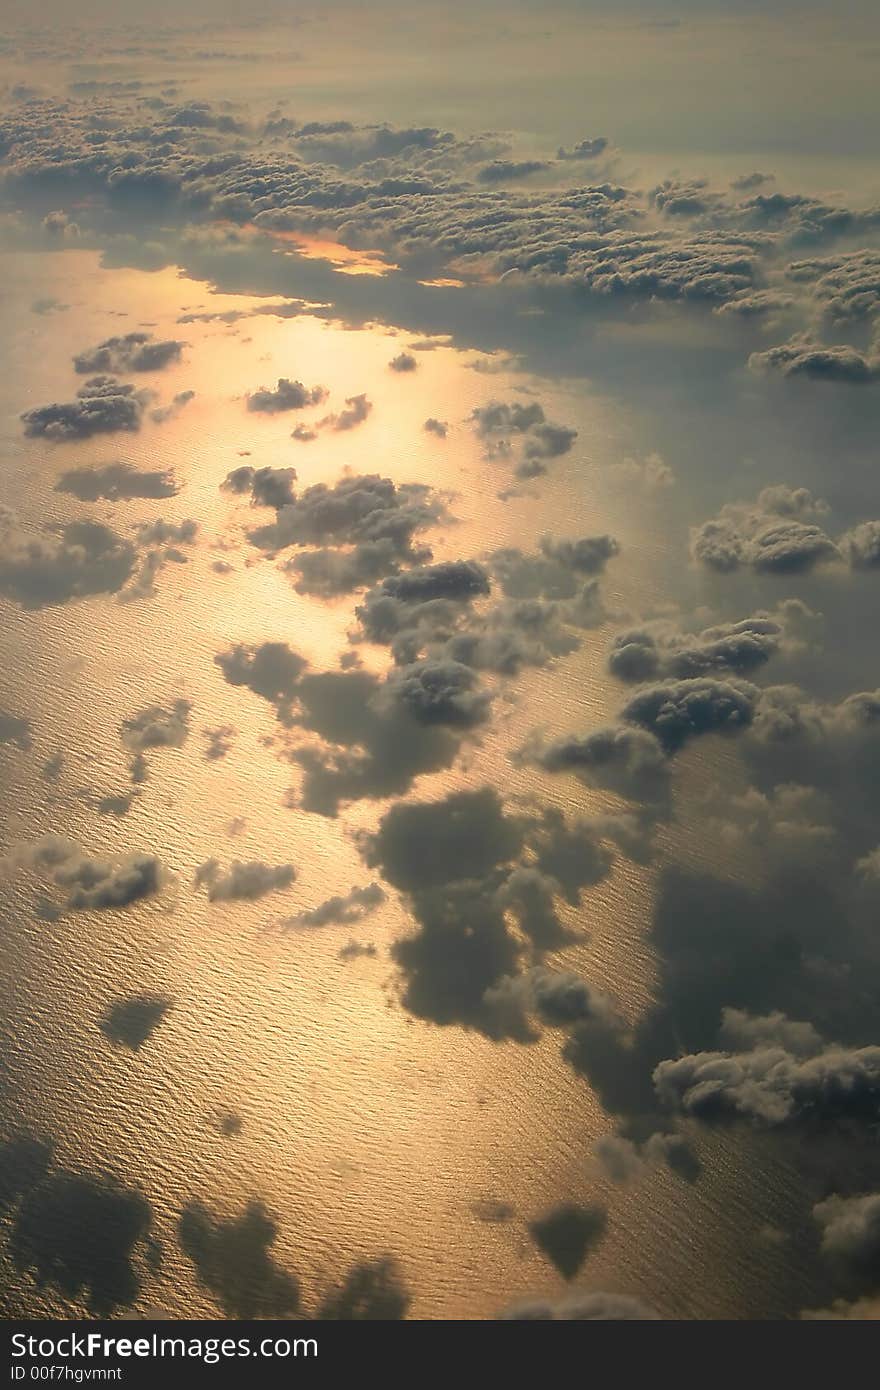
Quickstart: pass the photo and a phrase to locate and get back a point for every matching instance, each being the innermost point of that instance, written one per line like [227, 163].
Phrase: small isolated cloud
[403, 362]
[352, 907]
[438, 427]
[836, 363]
[161, 413]
[103, 405]
[357, 408]
[287, 395]
[267, 487]
[243, 881]
[135, 352]
[582, 1307]
[39, 568]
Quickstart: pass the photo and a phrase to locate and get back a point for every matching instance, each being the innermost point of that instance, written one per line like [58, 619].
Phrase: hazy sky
[440, 707]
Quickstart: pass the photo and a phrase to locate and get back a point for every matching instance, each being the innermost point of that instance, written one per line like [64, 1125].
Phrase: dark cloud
[509, 170]
[438, 427]
[773, 535]
[287, 395]
[659, 649]
[353, 907]
[116, 482]
[268, 487]
[135, 352]
[233, 1260]
[850, 1229]
[584, 149]
[38, 568]
[98, 884]
[403, 362]
[243, 881]
[541, 438]
[357, 408]
[156, 726]
[103, 405]
[628, 761]
[819, 362]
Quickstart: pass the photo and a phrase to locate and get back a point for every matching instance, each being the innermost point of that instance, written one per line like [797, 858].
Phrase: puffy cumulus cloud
[861, 545]
[287, 395]
[589, 1306]
[372, 737]
[773, 535]
[116, 482]
[134, 352]
[156, 726]
[39, 568]
[556, 998]
[161, 532]
[245, 881]
[439, 692]
[541, 438]
[341, 909]
[862, 1310]
[568, 1233]
[161, 413]
[91, 884]
[438, 427]
[785, 826]
[650, 474]
[103, 405]
[267, 487]
[473, 878]
[625, 1160]
[429, 612]
[676, 711]
[552, 573]
[846, 287]
[589, 148]
[624, 760]
[850, 1228]
[356, 410]
[362, 527]
[403, 362]
[777, 1072]
[818, 361]
[659, 649]
[130, 1022]
[511, 170]
[233, 1260]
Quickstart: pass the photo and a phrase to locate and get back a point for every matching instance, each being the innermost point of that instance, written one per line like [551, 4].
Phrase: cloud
[80, 559]
[582, 1307]
[268, 487]
[819, 362]
[116, 482]
[659, 649]
[770, 1083]
[623, 760]
[769, 536]
[103, 406]
[541, 438]
[243, 881]
[135, 352]
[850, 1229]
[357, 408]
[510, 170]
[287, 395]
[98, 884]
[438, 427]
[162, 413]
[624, 1160]
[403, 362]
[336, 911]
[156, 726]
[219, 742]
